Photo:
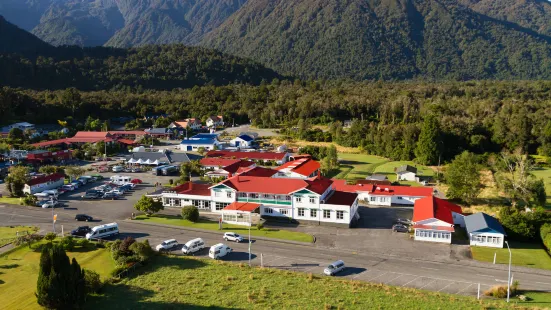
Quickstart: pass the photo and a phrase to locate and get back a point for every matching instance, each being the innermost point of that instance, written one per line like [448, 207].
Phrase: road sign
[55, 218]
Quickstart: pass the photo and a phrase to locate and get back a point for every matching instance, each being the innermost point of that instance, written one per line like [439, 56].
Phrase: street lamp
[509, 277]
[250, 224]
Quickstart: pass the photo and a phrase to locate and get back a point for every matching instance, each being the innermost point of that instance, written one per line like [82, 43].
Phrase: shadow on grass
[10, 266]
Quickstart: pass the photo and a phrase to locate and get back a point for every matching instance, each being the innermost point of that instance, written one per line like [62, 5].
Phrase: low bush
[101, 244]
[68, 243]
[190, 213]
[50, 236]
[93, 281]
[500, 291]
[30, 200]
[259, 226]
[27, 239]
[83, 242]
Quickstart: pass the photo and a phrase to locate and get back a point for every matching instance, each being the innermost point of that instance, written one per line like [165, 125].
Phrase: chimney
[190, 185]
[319, 174]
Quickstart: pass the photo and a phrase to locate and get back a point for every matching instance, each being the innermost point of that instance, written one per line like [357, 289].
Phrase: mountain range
[358, 39]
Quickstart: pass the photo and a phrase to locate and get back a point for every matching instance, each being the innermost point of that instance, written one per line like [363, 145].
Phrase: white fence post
[478, 295]
[495, 254]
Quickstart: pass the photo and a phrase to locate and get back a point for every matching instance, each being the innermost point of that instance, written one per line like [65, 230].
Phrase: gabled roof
[342, 198]
[377, 177]
[432, 207]
[233, 168]
[242, 206]
[382, 189]
[156, 131]
[219, 162]
[256, 172]
[190, 188]
[199, 142]
[205, 136]
[245, 138]
[278, 186]
[482, 221]
[302, 166]
[215, 118]
[91, 134]
[247, 155]
[319, 185]
[406, 168]
[47, 178]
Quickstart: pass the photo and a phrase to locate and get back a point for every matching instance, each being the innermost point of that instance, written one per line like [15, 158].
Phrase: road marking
[464, 289]
[399, 275]
[543, 283]
[411, 281]
[485, 275]
[428, 268]
[427, 284]
[377, 277]
[503, 281]
[446, 286]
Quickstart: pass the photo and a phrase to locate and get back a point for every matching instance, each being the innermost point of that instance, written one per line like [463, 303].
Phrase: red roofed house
[302, 168]
[188, 194]
[279, 158]
[384, 195]
[40, 184]
[231, 169]
[215, 121]
[192, 123]
[434, 219]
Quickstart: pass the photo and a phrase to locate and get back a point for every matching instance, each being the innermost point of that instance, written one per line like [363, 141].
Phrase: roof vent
[386, 189]
[378, 188]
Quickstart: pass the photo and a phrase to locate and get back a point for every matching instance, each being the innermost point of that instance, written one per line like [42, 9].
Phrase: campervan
[219, 250]
[193, 246]
[117, 168]
[103, 231]
[120, 179]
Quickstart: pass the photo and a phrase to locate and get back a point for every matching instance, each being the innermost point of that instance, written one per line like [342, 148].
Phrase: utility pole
[509, 277]
[250, 224]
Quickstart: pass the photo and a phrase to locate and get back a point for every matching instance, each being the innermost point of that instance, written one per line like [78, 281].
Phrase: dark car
[83, 217]
[81, 231]
[110, 195]
[400, 228]
[91, 195]
[405, 222]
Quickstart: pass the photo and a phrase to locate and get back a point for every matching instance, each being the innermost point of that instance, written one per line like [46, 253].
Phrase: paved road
[435, 276]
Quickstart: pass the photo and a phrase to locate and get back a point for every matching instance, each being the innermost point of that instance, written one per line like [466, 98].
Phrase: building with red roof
[300, 168]
[384, 195]
[187, 194]
[279, 158]
[81, 137]
[42, 183]
[434, 219]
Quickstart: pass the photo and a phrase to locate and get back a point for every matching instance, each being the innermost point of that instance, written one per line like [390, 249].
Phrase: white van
[219, 250]
[334, 268]
[120, 179]
[117, 168]
[103, 231]
[167, 245]
[193, 246]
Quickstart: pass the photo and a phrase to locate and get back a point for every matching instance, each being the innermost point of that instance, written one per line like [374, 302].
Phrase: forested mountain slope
[382, 39]
[16, 40]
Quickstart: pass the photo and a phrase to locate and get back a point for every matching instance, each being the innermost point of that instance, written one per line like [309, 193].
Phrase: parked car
[68, 187]
[404, 222]
[136, 170]
[50, 204]
[230, 236]
[91, 195]
[136, 181]
[75, 184]
[81, 231]
[334, 268]
[167, 245]
[110, 195]
[117, 169]
[219, 250]
[41, 202]
[400, 228]
[193, 246]
[83, 217]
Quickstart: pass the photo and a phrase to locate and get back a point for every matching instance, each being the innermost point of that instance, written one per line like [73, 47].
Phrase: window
[253, 196]
[300, 211]
[313, 213]
[288, 198]
[326, 214]
[400, 198]
[312, 200]
[228, 194]
[217, 194]
[298, 199]
[243, 195]
[372, 199]
[284, 211]
[220, 205]
[340, 215]
[268, 210]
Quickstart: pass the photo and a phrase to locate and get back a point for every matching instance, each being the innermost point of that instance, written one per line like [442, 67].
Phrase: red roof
[256, 172]
[433, 227]
[190, 188]
[319, 184]
[242, 206]
[342, 198]
[432, 207]
[247, 155]
[233, 168]
[91, 134]
[281, 186]
[126, 141]
[383, 190]
[302, 166]
[45, 179]
[127, 132]
[219, 162]
[52, 142]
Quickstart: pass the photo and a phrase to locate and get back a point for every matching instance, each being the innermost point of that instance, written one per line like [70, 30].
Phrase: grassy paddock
[523, 254]
[171, 282]
[357, 166]
[389, 168]
[243, 230]
[10, 200]
[544, 173]
[19, 272]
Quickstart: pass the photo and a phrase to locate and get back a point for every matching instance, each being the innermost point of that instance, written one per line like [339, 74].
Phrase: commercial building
[42, 183]
[484, 230]
[279, 158]
[433, 219]
[385, 195]
[301, 168]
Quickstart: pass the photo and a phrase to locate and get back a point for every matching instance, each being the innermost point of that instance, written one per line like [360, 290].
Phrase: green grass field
[211, 225]
[19, 272]
[8, 233]
[523, 254]
[545, 175]
[9, 200]
[357, 166]
[389, 170]
[171, 282]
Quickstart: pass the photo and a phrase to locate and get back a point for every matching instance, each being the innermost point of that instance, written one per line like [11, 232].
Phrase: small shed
[406, 173]
[485, 230]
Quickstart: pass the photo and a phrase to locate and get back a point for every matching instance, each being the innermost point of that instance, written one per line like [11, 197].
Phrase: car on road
[193, 246]
[110, 195]
[83, 217]
[400, 228]
[81, 231]
[167, 245]
[91, 195]
[219, 250]
[50, 204]
[334, 268]
[230, 236]
[404, 222]
[68, 187]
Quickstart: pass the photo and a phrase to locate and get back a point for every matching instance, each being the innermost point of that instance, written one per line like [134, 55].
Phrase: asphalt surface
[398, 271]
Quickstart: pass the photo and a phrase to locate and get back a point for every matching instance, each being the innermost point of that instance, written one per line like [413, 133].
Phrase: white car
[68, 187]
[50, 204]
[230, 236]
[167, 245]
[334, 268]
[193, 246]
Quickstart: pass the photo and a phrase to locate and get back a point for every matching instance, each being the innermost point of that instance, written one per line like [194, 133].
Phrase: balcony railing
[264, 201]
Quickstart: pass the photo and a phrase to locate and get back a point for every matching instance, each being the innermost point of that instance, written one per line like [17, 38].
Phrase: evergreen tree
[44, 272]
[428, 145]
[463, 177]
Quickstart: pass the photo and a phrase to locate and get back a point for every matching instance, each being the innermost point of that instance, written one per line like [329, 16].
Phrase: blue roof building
[211, 136]
[242, 141]
[484, 230]
[193, 144]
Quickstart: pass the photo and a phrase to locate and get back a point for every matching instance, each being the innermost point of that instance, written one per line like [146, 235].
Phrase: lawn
[523, 254]
[389, 170]
[357, 166]
[544, 173]
[10, 232]
[537, 299]
[211, 225]
[171, 282]
[9, 200]
[19, 272]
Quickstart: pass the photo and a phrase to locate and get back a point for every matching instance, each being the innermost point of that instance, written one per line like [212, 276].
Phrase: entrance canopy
[246, 207]
[240, 213]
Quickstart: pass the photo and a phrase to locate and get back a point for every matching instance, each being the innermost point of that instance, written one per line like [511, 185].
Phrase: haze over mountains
[359, 39]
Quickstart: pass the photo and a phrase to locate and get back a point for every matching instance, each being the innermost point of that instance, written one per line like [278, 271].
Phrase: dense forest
[386, 118]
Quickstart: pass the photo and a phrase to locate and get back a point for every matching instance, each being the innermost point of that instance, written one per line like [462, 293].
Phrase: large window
[372, 199]
[312, 199]
[326, 214]
[221, 205]
[298, 199]
[313, 213]
[243, 195]
[340, 215]
[300, 211]
[268, 210]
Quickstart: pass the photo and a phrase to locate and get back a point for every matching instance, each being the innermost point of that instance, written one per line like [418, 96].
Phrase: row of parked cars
[49, 198]
[215, 252]
[108, 191]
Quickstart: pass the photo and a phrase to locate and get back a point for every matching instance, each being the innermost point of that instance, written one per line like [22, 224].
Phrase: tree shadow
[9, 266]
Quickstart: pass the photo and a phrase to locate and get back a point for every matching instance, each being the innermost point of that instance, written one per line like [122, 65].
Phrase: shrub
[142, 250]
[93, 282]
[83, 242]
[28, 239]
[125, 244]
[545, 230]
[171, 181]
[190, 213]
[101, 244]
[30, 200]
[50, 236]
[259, 226]
[68, 243]
[117, 270]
